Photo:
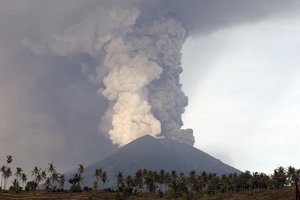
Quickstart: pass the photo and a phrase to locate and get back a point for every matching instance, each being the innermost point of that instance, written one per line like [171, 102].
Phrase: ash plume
[139, 64]
[134, 51]
[143, 82]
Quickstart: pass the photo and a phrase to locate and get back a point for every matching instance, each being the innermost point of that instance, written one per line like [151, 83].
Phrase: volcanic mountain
[152, 153]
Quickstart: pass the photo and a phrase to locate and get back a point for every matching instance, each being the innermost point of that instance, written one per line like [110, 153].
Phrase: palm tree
[243, 181]
[15, 186]
[291, 175]
[263, 181]
[61, 181]
[39, 179]
[150, 179]
[279, 178]
[31, 186]
[35, 171]
[225, 183]
[167, 181]
[120, 180]
[18, 173]
[213, 184]
[51, 169]
[3, 168]
[54, 179]
[129, 182]
[48, 183]
[5, 171]
[38, 175]
[297, 174]
[43, 174]
[97, 174]
[24, 179]
[7, 174]
[233, 182]
[174, 180]
[253, 181]
[9, 159]
[161, 178]
[104, 177]
[54, 176]
[77, 179]
[138, 179]
[192, 181]
[182, 182]
[80, 171]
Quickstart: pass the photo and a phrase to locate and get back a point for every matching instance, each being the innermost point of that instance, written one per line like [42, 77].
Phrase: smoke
[138, 69]
[143, 82]
[125, 87]
[134, 56]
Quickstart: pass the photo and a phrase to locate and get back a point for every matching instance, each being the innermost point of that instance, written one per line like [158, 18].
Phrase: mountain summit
[152, 153]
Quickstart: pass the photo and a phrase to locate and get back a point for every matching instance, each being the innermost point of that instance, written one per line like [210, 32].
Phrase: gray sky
[240, 74]
[244, 106]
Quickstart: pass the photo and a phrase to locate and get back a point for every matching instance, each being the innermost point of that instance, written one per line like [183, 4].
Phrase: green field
[287, 193]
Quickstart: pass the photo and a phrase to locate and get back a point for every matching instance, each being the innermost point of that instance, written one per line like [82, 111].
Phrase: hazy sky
[245, 100]
[240, 74]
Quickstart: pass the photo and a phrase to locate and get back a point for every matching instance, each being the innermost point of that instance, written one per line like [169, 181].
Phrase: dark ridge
[152, 153]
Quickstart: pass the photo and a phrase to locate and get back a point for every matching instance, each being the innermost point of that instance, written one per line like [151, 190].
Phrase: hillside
[155, 154]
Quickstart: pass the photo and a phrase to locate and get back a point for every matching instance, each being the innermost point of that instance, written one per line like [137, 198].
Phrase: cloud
[46, 97]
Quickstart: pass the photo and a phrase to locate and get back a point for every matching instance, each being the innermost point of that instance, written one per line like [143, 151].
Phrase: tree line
[147, 180]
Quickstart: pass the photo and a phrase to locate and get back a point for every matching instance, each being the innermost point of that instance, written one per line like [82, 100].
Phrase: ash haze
[80, 77]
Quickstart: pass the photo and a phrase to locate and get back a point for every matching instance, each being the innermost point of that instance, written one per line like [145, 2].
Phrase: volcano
[152, 153]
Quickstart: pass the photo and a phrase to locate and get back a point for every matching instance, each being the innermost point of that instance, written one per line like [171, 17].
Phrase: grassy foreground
[287, 193]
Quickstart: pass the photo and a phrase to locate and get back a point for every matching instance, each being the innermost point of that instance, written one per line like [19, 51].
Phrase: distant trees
[50, 178]
[120, 181]
[77, 179]
[279, 178]
[129, 182]
[293, 174]
[150, 179]
[18, 173]
[61, 181]
[31, 186]
[205, 183]
[100, 176]
[16, 186]
[138, 180]
[171, 182]
[37, 175]
[54, 178]
[2, 169]
[6, 172]
[24, 179]
[8, 159]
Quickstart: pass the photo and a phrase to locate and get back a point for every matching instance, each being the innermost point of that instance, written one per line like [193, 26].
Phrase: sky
[240, 73]
[244, 106]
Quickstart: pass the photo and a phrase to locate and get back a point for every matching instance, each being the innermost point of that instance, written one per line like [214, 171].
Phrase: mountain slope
[155, 154]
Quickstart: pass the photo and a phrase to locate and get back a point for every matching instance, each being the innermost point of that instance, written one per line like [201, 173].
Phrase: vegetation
[153, 184]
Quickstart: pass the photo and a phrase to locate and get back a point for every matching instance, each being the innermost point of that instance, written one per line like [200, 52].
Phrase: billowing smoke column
[139, 64]
[143, 82]
[135, 46]
[130, 71]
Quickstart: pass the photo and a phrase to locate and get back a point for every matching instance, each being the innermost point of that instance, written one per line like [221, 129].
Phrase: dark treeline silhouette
[147, 180]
